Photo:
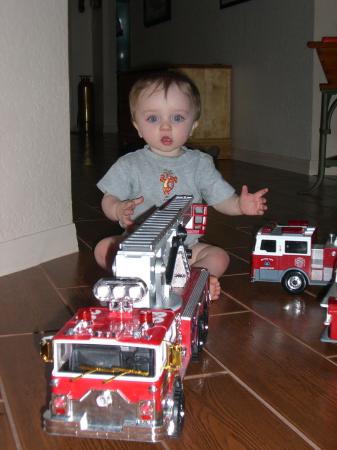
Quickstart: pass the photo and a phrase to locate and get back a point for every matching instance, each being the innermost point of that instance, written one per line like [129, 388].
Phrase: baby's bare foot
[214, 287]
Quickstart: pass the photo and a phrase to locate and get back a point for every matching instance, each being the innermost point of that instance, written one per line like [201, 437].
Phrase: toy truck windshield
[106, 360]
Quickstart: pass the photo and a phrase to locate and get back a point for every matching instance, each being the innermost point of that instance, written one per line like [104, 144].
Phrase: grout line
[265, 403]
[242, 230]
[28, 333]
[238, 257]
[164, 445]
[311, 294]
[80, 286]
[10, 417]
[278, 326]
[84, 242]
[233, 275]
[228, 313]
[58, 293]
[205, 375]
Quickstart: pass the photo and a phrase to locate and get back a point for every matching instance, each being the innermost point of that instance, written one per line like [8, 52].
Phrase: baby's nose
[165, 124]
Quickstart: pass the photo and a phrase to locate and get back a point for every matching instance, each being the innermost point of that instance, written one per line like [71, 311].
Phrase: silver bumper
[68, 427]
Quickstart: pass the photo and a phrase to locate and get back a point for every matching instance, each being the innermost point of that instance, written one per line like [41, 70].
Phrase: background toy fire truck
[118, 368]
[289, 254]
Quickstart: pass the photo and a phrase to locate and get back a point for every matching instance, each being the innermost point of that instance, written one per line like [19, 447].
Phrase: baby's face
[164, 121]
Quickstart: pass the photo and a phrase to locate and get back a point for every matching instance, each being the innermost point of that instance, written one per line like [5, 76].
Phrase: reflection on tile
[30, 303]
[229, 417]
[288, 375]
[78, 269]
[272, 302]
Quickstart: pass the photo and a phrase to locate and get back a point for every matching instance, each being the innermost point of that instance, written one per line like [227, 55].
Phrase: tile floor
[264, 381]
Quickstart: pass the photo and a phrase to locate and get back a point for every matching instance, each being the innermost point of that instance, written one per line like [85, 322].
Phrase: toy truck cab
[289, 254]
[117, 378]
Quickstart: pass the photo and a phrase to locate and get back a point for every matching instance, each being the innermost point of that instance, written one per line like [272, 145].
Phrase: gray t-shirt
[158, 178]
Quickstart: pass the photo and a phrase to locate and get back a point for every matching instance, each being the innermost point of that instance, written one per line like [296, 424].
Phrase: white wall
[273, 84]
[35, 184]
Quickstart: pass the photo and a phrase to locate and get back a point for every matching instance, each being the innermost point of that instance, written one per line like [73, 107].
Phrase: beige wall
[35, 184]
[274, 94]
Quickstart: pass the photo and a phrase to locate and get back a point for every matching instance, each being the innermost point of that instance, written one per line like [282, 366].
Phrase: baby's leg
[105, 251]
[215, 260]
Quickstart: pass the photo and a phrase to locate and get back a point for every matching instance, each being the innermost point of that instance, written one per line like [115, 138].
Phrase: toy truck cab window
[268, 245]
[300, 247]
[111, 360]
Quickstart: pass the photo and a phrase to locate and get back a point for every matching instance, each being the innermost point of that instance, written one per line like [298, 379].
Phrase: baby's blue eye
[177, 118]
[152, 119]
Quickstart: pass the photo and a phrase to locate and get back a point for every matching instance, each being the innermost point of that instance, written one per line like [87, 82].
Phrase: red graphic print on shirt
[168, 180]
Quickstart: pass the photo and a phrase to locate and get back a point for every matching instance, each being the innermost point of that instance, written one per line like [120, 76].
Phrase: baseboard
[289, 163]
[29, 251]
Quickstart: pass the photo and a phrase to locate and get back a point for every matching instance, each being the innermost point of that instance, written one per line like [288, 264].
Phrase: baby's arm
[120, 210]
[245, 204]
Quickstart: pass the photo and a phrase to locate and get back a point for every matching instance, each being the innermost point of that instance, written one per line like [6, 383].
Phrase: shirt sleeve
[117, 180]
[214, 189]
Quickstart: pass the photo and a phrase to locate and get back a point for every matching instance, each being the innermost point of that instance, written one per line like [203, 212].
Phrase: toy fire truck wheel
[203, 326]
[294, 282]
[178, 410]
[201, 336]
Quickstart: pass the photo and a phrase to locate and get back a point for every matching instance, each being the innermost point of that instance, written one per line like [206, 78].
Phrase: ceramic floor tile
[79, 297]
[229, 417]
[290, 377]
[205, 366]
[225, 236]
[226, 305]
[91, 232]
[7, 441]
[82, 211]
[245, 253]
[30, 303]
[76, 270]
[300, 315]
[237, 265]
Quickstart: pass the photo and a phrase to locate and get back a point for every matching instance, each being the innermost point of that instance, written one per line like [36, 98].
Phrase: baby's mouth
[166, 140]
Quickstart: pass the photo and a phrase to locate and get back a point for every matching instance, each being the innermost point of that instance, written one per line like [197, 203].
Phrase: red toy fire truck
[329, 302]
[118, 368]
[289, 254]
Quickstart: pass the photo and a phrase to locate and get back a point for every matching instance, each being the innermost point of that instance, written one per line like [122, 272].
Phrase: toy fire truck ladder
[150, 233]
[154, 252]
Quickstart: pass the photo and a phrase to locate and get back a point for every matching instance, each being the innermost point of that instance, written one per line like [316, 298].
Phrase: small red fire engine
[118, 368]
[289, 254]
[329, 302]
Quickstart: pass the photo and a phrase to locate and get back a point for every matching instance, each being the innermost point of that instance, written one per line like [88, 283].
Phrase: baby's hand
[253, 204]
[126, 209]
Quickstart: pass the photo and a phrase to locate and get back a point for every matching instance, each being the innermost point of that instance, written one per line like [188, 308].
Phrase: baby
[165, 110]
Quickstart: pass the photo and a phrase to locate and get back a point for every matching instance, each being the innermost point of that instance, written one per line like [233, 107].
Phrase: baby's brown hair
[163, 80]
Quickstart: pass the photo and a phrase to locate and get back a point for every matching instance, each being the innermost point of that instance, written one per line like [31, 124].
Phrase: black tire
[294, 282]
[201, 335]
[178, 410]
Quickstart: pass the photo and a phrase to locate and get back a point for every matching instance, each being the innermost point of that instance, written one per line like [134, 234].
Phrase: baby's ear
[136, 126]
[194, 126]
